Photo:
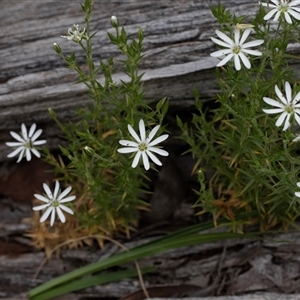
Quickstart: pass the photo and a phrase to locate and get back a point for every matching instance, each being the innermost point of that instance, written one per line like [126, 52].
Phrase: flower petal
[36, 135]
[280, 95]
[15, 152]
[237, 63]
[159, 140]
[68, 199]
[225, 38]
[221, 52]
[28, 154]
[46, 214]
[128, 150]
[152, 134]
[221, 43]
[154, 158]
[158, 151]
[128, 143]
[288, 92]
[142, 130]
[136, 159]
[32, 130]
[47, 191]
[133, 133]
[24, 131]
[17, 137]
[225, 60]
[35, 152]
[145, 160]
[67, 209]
[60, 215]
[245, 60]
[64, 193]
[56, 190]
[281, 119]
[42, 198]
[14, 144]
[40, 207]
[245, 36]
[52, 217]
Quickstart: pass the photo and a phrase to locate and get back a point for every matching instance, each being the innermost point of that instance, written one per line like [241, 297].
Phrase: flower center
[28, 144]
[143, 147]
[283, 7]
[289, 109]
[236, 49]
[55, 203]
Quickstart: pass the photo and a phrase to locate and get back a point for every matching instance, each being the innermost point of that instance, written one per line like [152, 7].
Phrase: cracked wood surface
[33, 77]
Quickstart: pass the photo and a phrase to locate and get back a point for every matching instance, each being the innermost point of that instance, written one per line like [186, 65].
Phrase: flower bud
[57, 48]
[114, 21]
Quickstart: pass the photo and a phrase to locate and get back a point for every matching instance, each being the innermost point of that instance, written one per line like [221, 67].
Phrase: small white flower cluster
[75, 34]
[237, 49]
[25, 144]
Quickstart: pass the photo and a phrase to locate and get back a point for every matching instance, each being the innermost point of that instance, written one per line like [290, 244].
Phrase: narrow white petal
[15, 152]
[281, 119]
[237, 36]
[28, 154]
[68, 199]
[52, 217]
[159, 140]
[287, 17]
[225, 60]
[67, 209]
[237, 63]
[154, 158]
[37, 143]
[288, 92]
[35, 152]
[60, 215]
[47, 191]
[280, 95]
[252, 52]
[221, 43]
[56, 190]
[245, 60]
[21, 155]
[298, 184]
[136, 159]
[273, 102]
[221, 52]
[225, 38]
[24, 131]
[142, 130]
[287, 123]
[295, 14]
[245, 35]
[270, 14]
[297, 98]
[133, 133]
[36, 135]
[64, 193]
[41, 197]
[14, 144]
[273, 111]
[145, 160]
[128, 143]
[158, 151]
[297, 194]
[17, 137]
[127, 150]
[252, 44]
[297, 118]
[32, 130]
[46, 214]
[152, 133]
[277, 16]
[40, 207]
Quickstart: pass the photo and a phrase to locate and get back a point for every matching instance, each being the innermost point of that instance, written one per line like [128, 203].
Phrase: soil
[224, 268]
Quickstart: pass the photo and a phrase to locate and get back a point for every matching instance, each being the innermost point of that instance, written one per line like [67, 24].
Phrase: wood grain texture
[34, 78]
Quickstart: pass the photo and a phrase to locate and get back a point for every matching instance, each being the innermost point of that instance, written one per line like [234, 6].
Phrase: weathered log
[34, 78]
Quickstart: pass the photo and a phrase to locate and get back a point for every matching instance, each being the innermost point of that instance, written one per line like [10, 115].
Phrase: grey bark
[33, 78]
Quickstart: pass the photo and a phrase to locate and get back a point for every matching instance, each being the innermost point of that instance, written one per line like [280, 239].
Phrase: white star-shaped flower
[237, 48]
[143, 145]
[54, 203]
[283, 8]
[26, 143]
[286, 106]
[75, 34]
